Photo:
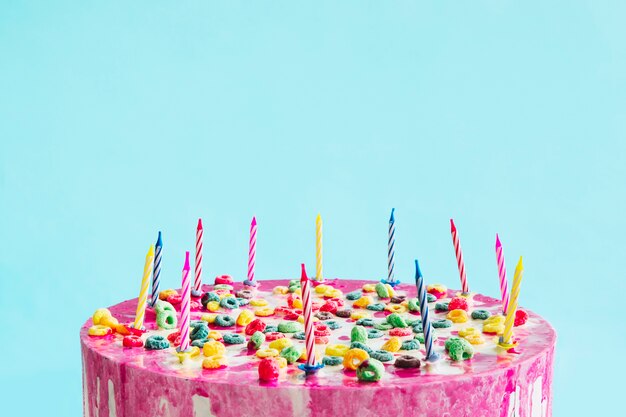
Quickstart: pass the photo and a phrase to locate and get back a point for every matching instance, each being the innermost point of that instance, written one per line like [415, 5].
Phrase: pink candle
[184, 309]
[459, 257]
[308, 319]
[502, 275]
[251, 253]
[197, 288]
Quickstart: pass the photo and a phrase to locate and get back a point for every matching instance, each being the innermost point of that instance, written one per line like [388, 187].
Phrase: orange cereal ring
[354, 357]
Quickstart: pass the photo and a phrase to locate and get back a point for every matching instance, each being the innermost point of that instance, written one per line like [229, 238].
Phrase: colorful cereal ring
[353, 358]
[370, 370]
[156, 342]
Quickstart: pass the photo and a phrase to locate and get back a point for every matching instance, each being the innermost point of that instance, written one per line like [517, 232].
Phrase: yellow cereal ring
[333, 293]
[369, 287]
[258, 302]
[166, 293]
[267, 353]
[322, 288]
[468, 331]
[301, 319]
[392, 345]
[209, 318]
[359, 315]
[110, 322]
[362, 302]
[99, 330]
[396, 308]
[282, 362]
[457, 316]
[390, 290]
[280, 344]
[214, 362]
[212, 348]
[280, 289]
[298, 291]
[337, 350]
[215, 335]
[226, 295]
[99, 314]
[297, 303]
[245, 317]
[494, 324]
[353, 358]
[475, 339]
[191, 353]
[213, 306]
[264, 312]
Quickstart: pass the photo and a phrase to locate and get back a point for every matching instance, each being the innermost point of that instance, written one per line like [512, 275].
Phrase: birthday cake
[247, 354]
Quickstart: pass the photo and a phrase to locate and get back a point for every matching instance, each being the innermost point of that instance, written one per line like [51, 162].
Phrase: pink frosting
[138, 383]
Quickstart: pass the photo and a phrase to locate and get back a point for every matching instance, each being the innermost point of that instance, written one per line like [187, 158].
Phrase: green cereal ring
[443, 306]
[156, 342]
[256, 340]
[418, 328]
[224, 320]
[430, 298]
[480, 314]
[161, 306]
[332, 360]
[354, 295]
[270, 328]
[383, 326]
[376, 307]
[294, 282]
[396, 320]
[199, 342]
[414, 304]
[365, 322]
[242, 301]
[233, 339]
[358, 334]
[374, 334]
[412, 344]
[229, 303]
[291, 353]
[199, 332]
[226, 287]
[382, 355]
[299, 336]
[332, 324]
[371, 370]
[289, 327]
[359, 345]
[459, 349]
[166, 319]
[441, 324]
[412, 322]
[420, 337]
[381, 290]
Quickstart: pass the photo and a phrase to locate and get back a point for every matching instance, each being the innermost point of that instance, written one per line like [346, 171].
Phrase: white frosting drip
[112, 409]
[300, 402]
[201, 406]
[535, 398]
[97, 407]
[164, 408]
[86, 407]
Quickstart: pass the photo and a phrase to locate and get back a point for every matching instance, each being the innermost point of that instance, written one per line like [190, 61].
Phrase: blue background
[118, 119]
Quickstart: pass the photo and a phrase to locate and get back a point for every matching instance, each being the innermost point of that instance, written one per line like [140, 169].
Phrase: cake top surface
[239, 364]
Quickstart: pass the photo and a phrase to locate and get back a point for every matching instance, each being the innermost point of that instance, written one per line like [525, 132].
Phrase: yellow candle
[510, 317]
[143, 293]
[319, 275]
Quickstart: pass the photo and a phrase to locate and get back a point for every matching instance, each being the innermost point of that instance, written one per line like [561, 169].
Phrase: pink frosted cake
[142, 376]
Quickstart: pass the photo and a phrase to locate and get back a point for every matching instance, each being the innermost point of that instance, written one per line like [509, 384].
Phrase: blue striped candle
[426, 325]
[391, 250]
[156, 272]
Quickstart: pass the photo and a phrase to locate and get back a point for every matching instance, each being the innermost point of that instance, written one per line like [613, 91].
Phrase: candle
[319, 273]
[156, 271]
[309, 336]
[184, 307]
[507, 335]
[197, 288]
[251, 253]
[502, 275]
[459, 257]
[143, 292]
[426, 325]
[391, 250]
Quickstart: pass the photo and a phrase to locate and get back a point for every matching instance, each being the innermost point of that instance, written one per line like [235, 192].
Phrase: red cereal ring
[321, 330]
[174, 299]
[315, 305]
[132, 341]
[131, 329]
[458, 303]
[173, 336]
[256, 325]
[329, 306]
[291, 316]
[273, 336]
[223, 279]
[279, 311]
[195, 305]
[268, 369]
[399, 331]
[321, 340]
[520, 318]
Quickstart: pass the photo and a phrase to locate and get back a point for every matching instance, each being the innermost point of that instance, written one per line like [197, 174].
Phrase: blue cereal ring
[362, 346]
[412, 344]
[299, 336]
[430, 298]
[242, 301]
[374, 333]
[480, 314]
[418, 328]
[413, 322]
[332, 360]
[224, 320]
[382, 355]
[234, 339]
[441, 306]
[229, 303]
[199, 342]
[199, 332]
[332, 324]
[156, 342]
[442, 324]
[270, 328]
[354, 295]
[376, 307]
[365, 322]
[208, 297]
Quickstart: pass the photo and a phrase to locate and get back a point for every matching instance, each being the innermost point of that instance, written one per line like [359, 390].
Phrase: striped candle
[143, 292]
[504, 290]
[197, 288]
[252, 251]
[184, 307]
[156, 271]
[319, 272]
[391, 249]
[426, 325]
[459, 257]
[309, 338]
[509, 321]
